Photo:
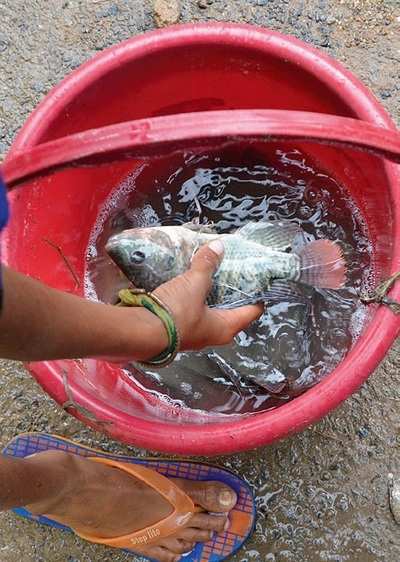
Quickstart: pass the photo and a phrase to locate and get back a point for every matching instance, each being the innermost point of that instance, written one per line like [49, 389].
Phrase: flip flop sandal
[155, 473]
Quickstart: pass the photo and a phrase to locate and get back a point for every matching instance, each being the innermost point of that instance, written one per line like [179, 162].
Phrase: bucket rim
[261, 428]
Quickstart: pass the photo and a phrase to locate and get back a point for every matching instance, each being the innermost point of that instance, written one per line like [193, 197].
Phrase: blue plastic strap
[3, 204]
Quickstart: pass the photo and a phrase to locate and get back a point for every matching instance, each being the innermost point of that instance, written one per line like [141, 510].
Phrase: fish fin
[279, 291]
[227, 370]
[278, 235]
[322, 265]
[284, 291]
[232, 297]
[200, 228]
[241, 301]
[274, 386]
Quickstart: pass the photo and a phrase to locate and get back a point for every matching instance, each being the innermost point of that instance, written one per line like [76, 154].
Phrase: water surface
[293, 346]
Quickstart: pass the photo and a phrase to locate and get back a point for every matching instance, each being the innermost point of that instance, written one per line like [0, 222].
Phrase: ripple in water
[292, 347]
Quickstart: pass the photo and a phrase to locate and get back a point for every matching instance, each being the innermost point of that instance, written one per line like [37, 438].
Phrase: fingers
[207, 259]
[204, 264]
[239, 318]
[199, 325]
[223, 325]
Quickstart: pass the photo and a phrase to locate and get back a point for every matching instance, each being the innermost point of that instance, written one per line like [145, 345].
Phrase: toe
[177, 546]
[208, 522]
[160, 554]
[196, 535]
[188, 546]
[212, 496]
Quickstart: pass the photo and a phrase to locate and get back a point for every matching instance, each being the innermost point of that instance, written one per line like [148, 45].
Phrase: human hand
[200, 326]
[39, 323]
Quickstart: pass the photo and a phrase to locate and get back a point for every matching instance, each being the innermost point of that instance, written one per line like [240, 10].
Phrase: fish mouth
[114, 243]
[116, 250]
[110, 246]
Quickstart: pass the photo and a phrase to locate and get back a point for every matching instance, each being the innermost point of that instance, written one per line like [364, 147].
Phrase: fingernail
[217, 247]
[225, 498]
[227, 525]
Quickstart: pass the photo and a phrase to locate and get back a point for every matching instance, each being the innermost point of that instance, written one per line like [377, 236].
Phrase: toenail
[227, 525]
[225, 498]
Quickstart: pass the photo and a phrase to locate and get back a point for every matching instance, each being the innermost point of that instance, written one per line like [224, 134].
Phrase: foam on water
[111, 206]
[288, 350]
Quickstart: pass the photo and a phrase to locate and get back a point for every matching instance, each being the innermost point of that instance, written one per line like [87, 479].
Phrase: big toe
[214, 497]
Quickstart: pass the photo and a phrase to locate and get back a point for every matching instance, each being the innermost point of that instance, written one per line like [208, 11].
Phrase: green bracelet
[139, 297]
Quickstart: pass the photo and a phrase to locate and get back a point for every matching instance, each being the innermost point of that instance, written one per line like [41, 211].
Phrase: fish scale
[247, 270]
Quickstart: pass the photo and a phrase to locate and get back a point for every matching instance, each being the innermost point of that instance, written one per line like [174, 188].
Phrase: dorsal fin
[278, 235]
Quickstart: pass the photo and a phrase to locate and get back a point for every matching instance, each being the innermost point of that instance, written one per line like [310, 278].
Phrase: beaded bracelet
[139, 297]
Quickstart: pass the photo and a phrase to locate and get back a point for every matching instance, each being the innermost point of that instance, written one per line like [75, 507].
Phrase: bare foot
[106, 502]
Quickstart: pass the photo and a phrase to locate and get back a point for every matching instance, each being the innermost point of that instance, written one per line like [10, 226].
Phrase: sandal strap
[183, 508]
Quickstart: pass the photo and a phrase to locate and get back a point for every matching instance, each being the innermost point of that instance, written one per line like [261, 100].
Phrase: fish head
[147, 256]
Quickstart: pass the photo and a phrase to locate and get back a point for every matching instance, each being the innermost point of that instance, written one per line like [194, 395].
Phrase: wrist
[143, 335]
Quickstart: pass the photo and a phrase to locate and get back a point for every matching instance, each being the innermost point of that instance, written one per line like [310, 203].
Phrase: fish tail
[322, 265]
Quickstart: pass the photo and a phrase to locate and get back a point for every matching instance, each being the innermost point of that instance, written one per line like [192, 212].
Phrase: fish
[263, 261]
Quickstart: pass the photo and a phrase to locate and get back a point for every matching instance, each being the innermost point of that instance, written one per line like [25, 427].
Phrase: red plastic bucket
[179, 70]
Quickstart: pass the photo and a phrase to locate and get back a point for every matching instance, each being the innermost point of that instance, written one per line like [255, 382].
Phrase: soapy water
[294, 345]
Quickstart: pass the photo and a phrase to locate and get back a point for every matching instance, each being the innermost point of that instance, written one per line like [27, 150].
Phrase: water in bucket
[291, 347]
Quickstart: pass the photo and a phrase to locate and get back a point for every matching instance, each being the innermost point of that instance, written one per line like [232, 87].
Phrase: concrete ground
[322, 495]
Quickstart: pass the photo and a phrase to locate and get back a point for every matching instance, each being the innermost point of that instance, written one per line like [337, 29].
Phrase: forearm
[39, 323]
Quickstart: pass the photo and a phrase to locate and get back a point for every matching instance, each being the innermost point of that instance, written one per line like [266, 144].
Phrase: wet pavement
[322, 495]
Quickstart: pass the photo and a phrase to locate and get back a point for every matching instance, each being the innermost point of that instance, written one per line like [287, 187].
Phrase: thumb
[204, 264]
[208, 258]
[238, 319]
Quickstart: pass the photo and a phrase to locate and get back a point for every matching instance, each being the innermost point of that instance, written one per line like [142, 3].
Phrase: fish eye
[137, 257]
